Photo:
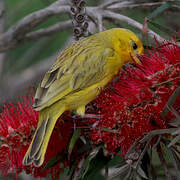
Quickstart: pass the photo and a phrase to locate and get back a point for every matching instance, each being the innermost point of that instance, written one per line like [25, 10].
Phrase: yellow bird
[76, 78]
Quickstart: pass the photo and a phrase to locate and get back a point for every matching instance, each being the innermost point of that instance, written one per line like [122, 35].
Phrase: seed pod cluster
[78, 12]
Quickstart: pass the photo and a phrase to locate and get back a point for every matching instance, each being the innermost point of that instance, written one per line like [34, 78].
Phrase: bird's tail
[38, 146]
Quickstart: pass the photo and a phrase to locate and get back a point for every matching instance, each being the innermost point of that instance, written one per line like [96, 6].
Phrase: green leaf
[177, 154]
[91, 164]
[170, 102]
[137, 163]
[121, 171]
[159, 10]
[174, 122]
[141, 173]
[131, 149]
[174, 141]
[162, 28]
[149, 136]
[157, 132]
[175, 161]
[177, 120]
[157, 142]
[66, 174]
[108, 130]
[83, 139]
[96, 165]
[85, 163]
[88, 160]
[176, 132]
[176, 3]
[74, 138]
[53, 161]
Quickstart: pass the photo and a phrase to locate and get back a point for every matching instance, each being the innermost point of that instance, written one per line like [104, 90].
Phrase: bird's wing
[74, 70]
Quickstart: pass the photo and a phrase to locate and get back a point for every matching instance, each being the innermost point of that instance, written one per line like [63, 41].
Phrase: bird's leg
[92, 116]
[73, 115]
[81, 111]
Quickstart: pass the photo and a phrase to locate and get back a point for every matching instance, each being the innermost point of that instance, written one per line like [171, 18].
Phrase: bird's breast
[85, 96]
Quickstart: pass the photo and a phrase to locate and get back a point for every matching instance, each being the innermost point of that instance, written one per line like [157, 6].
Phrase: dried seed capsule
[85, 25]
[80, 18]
[73, 10]
[76, 1]
[82, 4]
[77, 31]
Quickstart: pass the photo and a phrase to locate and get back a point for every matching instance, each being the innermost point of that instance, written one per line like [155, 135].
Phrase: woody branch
[22, 32]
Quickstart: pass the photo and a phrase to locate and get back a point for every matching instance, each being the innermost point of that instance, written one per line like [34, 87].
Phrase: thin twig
[22, 31]
[131, 5]
[100, 23]
[48, 31]
[109, 3]
[120, 17]
[15, 34]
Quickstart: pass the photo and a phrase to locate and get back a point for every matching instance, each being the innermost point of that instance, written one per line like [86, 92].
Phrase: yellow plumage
[78, 75]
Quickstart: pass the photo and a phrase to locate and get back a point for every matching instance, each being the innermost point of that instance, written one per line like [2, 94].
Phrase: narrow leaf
[175, 162]
[142, 153]
[96, 166]
[131, 149]
[121, 170]
[141, 173]
[157, 132]
[176, 132]
[74, 138]
[162, 28]
[130, 171]
[170, 102]
[159, 10]
[176, 3]
[177, 155]
[88, 160]
[108, 130]
[175, 113]
[174, 141]
[53, 161]
[83, 139]
[157, 142]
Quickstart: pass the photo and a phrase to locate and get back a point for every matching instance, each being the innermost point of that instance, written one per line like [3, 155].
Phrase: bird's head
[127, 45]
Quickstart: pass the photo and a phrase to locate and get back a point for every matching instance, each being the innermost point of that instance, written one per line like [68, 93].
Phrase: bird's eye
[134, 45]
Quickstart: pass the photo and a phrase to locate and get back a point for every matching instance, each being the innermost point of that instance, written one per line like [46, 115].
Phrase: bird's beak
[136, 59]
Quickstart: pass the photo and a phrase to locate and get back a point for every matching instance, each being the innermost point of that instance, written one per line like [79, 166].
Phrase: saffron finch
[78, 75]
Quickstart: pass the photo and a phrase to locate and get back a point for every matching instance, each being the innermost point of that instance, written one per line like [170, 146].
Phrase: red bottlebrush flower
[129, 107]
[17, 124]
[133, 103]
